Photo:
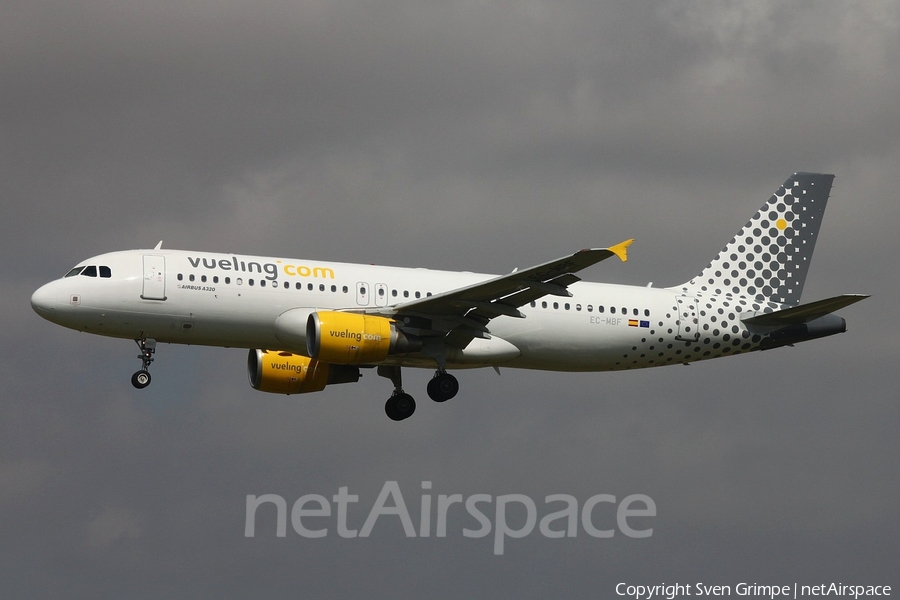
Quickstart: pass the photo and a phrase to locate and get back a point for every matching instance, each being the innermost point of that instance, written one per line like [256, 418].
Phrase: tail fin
[769, 258]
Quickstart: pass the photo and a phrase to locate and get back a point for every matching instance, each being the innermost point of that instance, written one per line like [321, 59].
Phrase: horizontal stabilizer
[804, 313]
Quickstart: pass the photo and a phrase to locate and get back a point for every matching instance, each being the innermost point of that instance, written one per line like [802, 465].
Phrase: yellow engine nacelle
[353, 339]
[286, 373]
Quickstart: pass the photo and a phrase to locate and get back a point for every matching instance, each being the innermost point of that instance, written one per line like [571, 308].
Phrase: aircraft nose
[43, 300]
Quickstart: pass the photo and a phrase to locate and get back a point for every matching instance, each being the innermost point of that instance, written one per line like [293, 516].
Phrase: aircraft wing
[463, 314]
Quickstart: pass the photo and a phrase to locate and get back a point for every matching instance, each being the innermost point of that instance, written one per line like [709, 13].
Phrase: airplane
[308, 324]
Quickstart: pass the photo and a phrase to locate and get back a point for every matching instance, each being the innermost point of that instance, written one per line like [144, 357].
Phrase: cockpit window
[90, 271]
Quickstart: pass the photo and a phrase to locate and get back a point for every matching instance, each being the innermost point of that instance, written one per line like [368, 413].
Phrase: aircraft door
[154, 277]
[688, 319]
[362, 293]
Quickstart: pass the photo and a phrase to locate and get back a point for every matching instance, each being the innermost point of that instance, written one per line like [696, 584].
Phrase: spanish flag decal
[632, 322]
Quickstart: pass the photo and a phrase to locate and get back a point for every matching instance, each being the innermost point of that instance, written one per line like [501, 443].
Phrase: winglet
[158, 246]
[620, 249]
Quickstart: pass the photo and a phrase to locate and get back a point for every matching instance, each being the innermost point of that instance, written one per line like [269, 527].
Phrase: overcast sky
[458, 135]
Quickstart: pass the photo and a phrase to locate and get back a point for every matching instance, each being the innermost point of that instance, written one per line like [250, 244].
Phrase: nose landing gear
[141, 379]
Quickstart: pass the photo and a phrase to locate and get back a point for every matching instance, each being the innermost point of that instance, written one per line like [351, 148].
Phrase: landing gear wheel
[400, 406]
[141, 379]
[442, 387]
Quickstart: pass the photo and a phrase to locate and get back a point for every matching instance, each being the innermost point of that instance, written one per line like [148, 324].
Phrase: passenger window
[180, 277]
[646, 312]
[405, 294]
[105, 272]
[90, 271]
[590, 308]
[287, 285]
[262, 283]
[228, 280]
[215, 279]
[321, 287]
[249, 282]
[418, 294]
[345, 289]
[299, 286]
[334, 288]
[578, 307]
[191, 277]
[74, 272]
[203, 278]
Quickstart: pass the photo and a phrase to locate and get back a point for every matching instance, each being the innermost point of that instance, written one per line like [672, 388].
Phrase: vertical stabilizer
[769, 258]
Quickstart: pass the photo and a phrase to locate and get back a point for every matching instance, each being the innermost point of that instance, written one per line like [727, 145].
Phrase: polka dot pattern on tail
[769, 258]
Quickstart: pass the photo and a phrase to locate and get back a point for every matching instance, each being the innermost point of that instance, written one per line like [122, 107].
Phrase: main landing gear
[401, 405]
[442, 386]
[141, 379]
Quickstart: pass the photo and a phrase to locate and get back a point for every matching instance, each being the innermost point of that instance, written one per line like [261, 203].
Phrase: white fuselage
[231, 300]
